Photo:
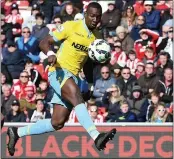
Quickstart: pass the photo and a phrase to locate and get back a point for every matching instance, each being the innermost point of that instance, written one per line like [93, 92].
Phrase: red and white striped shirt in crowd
[14, 19]
[72, 117]
[98, 119]
[118, 57]
[132, 64]
[19, 89]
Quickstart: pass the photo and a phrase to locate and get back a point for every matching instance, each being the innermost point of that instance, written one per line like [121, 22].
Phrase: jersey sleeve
[61, 32]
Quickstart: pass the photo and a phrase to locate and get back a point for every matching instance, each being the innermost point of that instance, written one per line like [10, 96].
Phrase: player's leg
[71, 92]
[59, 117]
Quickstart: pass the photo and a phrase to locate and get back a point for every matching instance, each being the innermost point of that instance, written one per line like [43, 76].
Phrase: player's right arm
[46, 43]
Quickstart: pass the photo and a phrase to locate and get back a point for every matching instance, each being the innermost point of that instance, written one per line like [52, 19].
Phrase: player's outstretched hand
[52, 60]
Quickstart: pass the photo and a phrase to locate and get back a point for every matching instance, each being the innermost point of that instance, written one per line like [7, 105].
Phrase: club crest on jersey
[60, 28]
[80, 47]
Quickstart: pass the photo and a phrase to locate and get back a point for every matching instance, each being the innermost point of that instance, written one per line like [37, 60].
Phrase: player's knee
[58, 124]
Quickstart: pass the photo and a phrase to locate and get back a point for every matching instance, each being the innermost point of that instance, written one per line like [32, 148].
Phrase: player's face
[92, 17]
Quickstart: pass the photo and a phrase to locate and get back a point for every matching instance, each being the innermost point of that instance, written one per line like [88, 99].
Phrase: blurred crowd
[136, 85]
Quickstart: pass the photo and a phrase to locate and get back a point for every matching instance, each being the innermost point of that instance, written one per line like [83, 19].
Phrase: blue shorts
[57, 79]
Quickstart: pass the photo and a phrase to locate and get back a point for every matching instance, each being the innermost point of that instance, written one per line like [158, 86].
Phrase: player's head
[93, 15]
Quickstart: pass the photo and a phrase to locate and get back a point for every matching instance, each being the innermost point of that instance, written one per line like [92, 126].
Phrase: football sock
[86, 121]
[40, 127]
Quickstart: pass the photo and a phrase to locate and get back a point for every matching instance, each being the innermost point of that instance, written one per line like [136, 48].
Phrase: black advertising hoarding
[73, 142]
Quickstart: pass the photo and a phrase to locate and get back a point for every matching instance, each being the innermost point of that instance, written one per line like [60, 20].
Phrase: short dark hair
[154, 94]
[125, 68]
[168, 68]
[150, 63]
[131, 52]
[28, 61]
[37, 100]
[40, 15]
[57, 16]
[164, 53]
[118, 41]
[43, 81]
[150, 48]
[94, 5]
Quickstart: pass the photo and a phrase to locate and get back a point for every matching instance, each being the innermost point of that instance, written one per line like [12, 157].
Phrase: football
[99, 51]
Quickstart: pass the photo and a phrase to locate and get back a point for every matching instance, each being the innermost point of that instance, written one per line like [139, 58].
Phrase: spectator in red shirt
[162, 6]
[7, 4]
[139, 7]
[14, 17]
[148, 39]
[28, 101]
[97, 118]
[15, 20]
[132, 61]
[18, 89]
[118, 56]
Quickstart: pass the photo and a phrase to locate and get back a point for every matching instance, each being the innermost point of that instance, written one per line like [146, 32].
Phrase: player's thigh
[60, 114]
[71, 92]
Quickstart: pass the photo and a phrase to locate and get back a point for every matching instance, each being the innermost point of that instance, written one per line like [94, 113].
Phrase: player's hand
[52, 59]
